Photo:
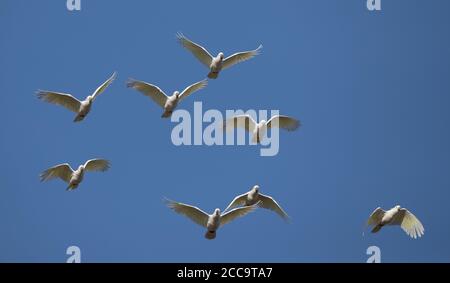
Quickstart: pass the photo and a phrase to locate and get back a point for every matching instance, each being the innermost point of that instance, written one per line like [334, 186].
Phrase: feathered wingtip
[168, 202]
[259, 49]
[131, 82]
[180, 37]
[40, 93]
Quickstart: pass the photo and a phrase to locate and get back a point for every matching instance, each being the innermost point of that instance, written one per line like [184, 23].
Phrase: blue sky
[371, 89]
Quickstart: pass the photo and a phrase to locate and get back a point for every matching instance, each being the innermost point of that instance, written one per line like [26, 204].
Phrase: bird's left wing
[284, 122]
[193, 88]
[97, 165]
[240, 57]
[409, 223]
[229, 216]
[268, 202]
[102, 88]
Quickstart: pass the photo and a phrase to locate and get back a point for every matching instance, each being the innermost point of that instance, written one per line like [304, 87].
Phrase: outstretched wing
[375, 217]
[409, 223]
[237, 201]
[194, 213]
[229, 216]
[152, 91]
[193, 88]
[240, 121]
[268, 202]
[62, 99]
[198, 51]
[62, 171]
[284, 122]
[240, 57]
[97, 165]
[102, 88]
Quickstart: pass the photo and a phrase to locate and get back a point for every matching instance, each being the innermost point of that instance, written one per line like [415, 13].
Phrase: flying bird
[168, 103]
[211, 222]
[218, 63]
[396, 216]
[82, 108]
[74, 177]
[255, 197]
[258, 130]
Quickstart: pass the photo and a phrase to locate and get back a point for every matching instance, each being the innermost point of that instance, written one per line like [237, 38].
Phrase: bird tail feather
[210, 235]
[376, 228]
[166, 114]
[213, 75]
[78, 118]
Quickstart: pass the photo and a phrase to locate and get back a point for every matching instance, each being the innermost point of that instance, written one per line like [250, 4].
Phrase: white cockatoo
[168, 103]
[211, 222]
[74, 177]
[82, 108]
[218, 63]
[253, 197]
[396, 216]
[259, 129]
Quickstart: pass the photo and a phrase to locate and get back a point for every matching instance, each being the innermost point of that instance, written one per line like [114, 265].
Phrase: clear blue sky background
[371, 88]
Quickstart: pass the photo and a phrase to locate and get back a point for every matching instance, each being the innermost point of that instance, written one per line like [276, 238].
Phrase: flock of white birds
[242, 204]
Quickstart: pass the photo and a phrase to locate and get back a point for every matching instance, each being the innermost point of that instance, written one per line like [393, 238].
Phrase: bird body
[213, 224]
[81, 108]
[171, 104]
[77, 178]
[74, 177]
[85, 108]
[396, 216]
[216, 66]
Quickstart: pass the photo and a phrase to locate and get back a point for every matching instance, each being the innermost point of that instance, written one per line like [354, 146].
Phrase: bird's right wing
[237, 201]
[62, 99]
[242, 121]
[149, 90]
[194, 213]
[268, 202]
[409, 223]
[375, 217]
[198, 51]
[229, 216]
[63, 171]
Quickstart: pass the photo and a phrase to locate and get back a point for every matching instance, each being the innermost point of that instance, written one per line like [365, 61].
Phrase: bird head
[176, 94]
[221, 56]
[217, 212]
[397, 207]
[256, 188]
